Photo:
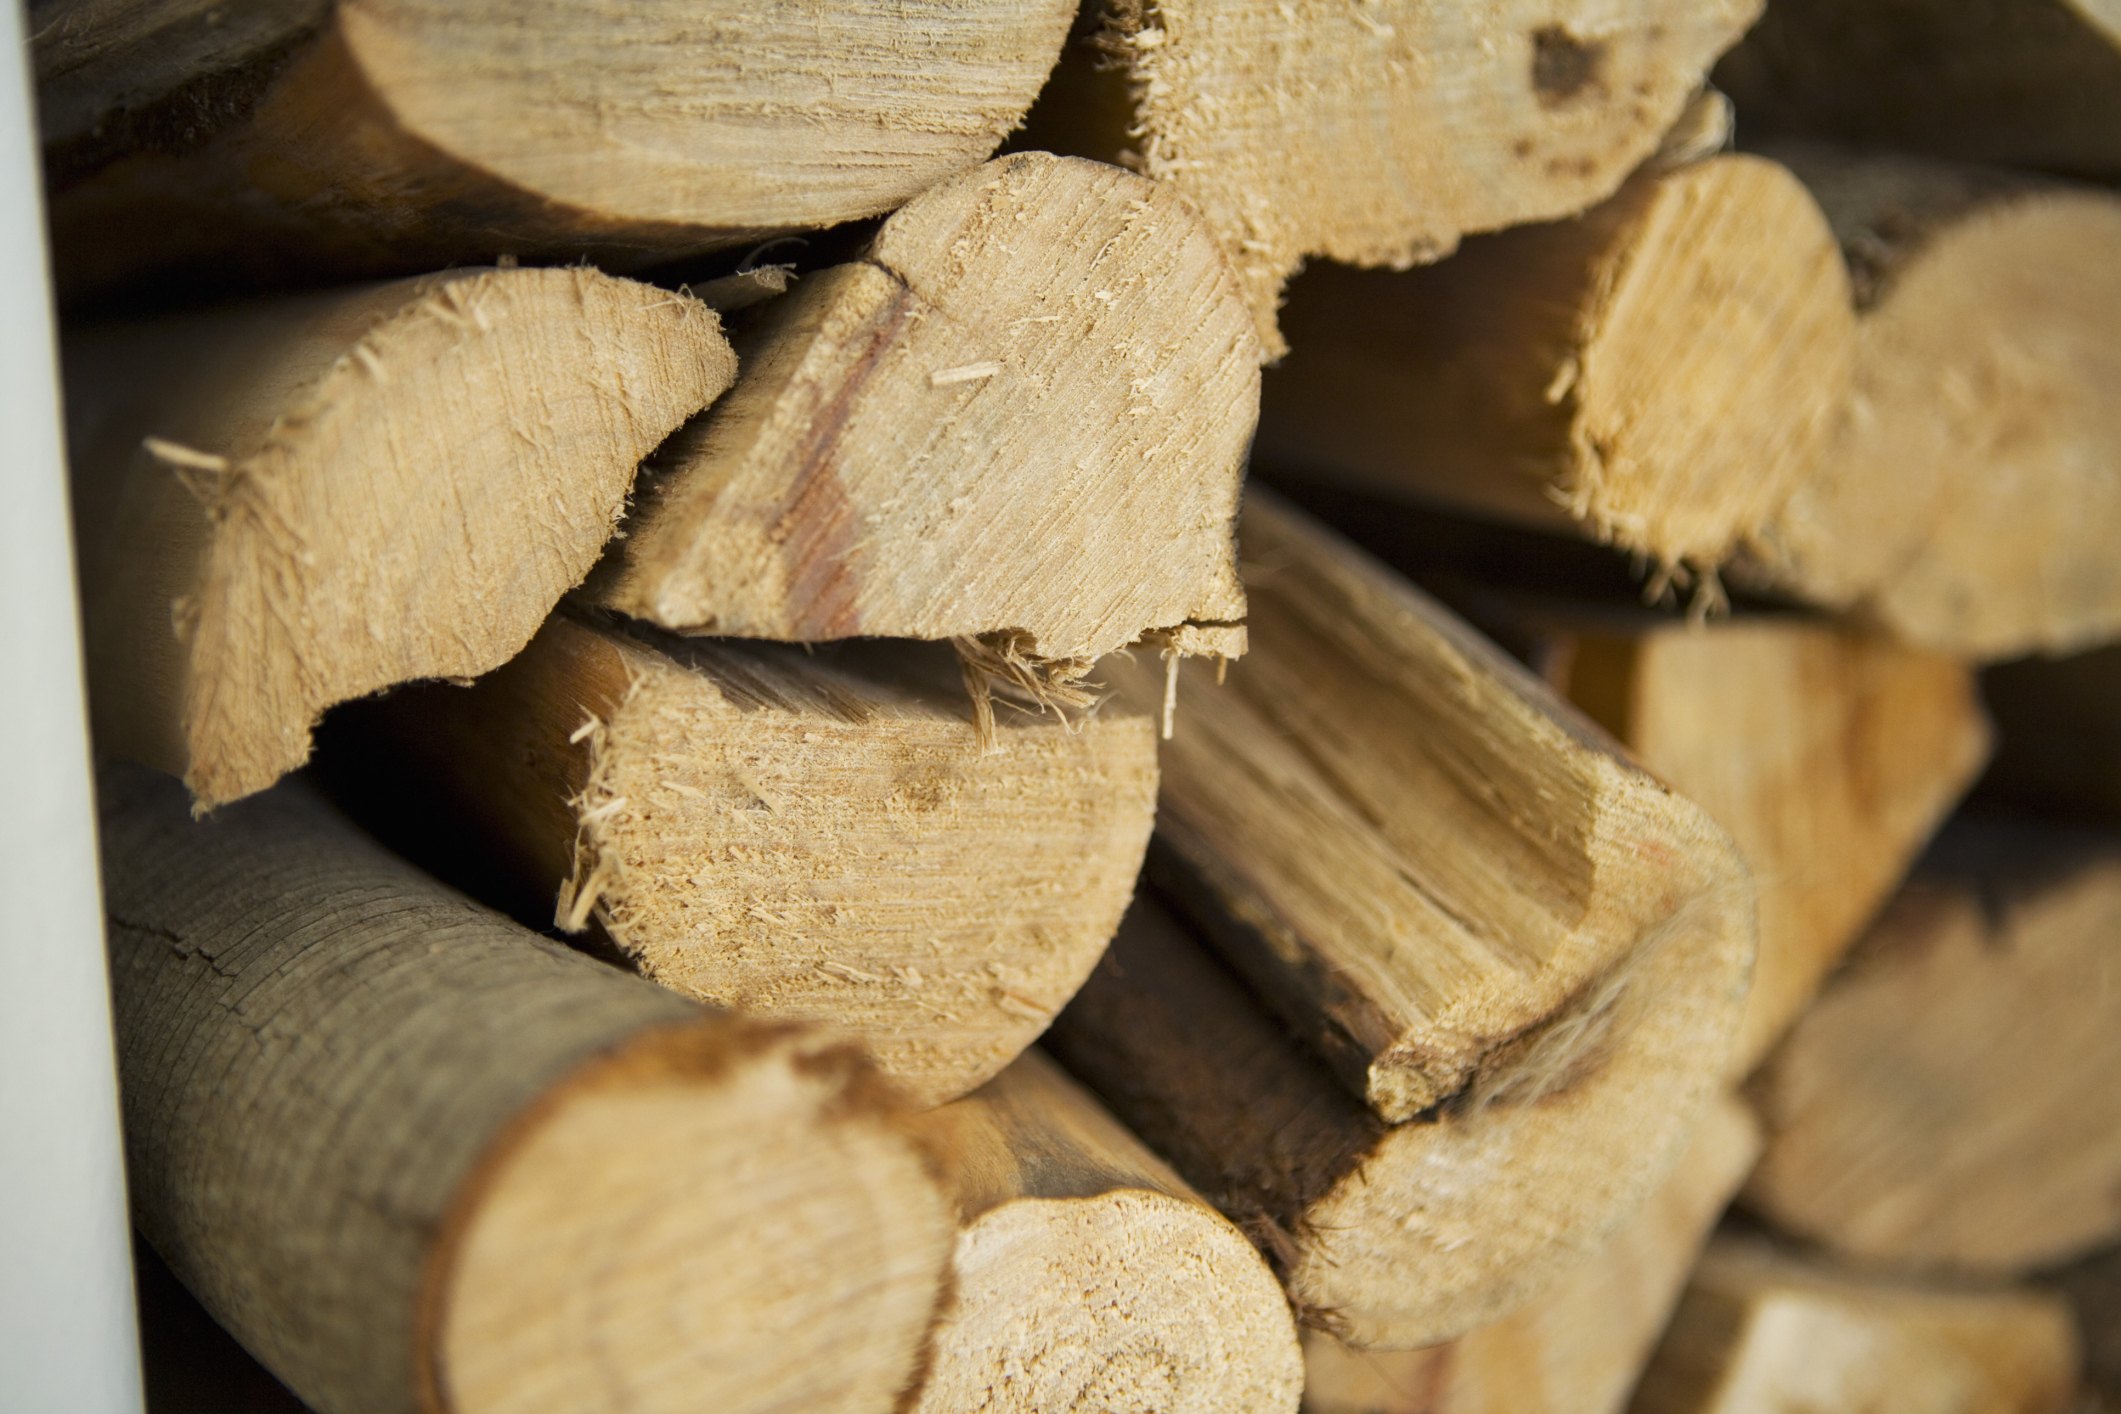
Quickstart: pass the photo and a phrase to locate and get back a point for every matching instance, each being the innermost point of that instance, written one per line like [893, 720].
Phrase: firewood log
[1966, 505]
[1398, 1236]
[1656, 374]
[1024, 414]
[1759, 1331]
[1954, 1100]
[287, 504]
[1576, 1350]
[1088, 1276]
[1378, 134]
[281, 138]
[819, 838]
[1418, 853]
[2027, 83]
[415, 1156]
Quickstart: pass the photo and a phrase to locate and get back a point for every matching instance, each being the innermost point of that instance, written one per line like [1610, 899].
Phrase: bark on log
[288, 504]
[415, 1156]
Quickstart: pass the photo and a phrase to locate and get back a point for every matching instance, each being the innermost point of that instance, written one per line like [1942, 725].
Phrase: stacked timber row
[769, 814]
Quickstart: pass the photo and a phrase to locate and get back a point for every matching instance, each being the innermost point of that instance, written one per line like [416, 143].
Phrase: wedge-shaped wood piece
[1965, 506]
[1576, 1350]
[2025, 83]
[287, 136]
[416, 1156]
[1413, 849]
[1759, 1330]
[1024, 414]
[1407, 1235]
[1954, 1100]
[284, 505]
[2058, 733]
[1829, 753]
[1656, 374]
[820, 838]
[1088, 1276]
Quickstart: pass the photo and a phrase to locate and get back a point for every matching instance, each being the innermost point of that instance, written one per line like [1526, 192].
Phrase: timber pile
[781, 828]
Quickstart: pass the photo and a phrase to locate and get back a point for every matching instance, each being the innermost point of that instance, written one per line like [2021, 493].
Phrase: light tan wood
[2058, 733]
[1655, 374]
[288, 504]
[1088, 1275]
[1954, 1099]
[1024, 414]
[1965, 504]
[820, 838]
[1764, 1333]
[283, 137]
[1829, 753]
[1579, 1348]
[1417, 852]
[1378, 134]
[2028, 83]
[1398, 1236]
[415, 1156]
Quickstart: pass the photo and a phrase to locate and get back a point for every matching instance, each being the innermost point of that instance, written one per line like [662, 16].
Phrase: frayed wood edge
[595, 868]
[1001, 666]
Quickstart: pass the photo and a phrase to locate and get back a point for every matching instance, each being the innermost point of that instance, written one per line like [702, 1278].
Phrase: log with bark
[2025, 83]
[1967, 502]
[1579, 1348]
[413, 1155]
[1656, 374]
[1830, 754]
[287, 504]
[1761, 1330]
[2058, 734]
[1378, 134]
[815, 837]
[1398, 1236]
[284, 138]
[1023, 415]
[1088, 1276]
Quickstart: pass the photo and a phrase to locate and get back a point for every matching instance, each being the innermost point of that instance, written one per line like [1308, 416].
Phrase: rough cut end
[1026, 413]
[816, 1238]
[1126, 1300]
[419, 509]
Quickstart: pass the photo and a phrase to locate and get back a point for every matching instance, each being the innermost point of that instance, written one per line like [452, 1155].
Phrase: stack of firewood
[824, 880]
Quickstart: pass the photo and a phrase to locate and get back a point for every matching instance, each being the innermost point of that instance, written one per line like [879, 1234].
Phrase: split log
[1579, 1348]
[1396, 1236]
[1418, 853]
[413, 1155]
[2058, 733]
[1656, 374]
[1761, 1331]
[288, 137]
[1966, 504]
[819, 838]
[1830, 755]
[284, 505]
[1088, 1275]
[2023, 83]
[1954, 1100]
[1024, 414]
[1379, 134]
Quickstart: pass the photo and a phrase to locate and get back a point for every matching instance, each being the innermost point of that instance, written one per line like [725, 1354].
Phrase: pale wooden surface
[1024, 413]
[413, 1154]
[1954, 1099]
[1577, 1349]
[1829, 753]
[1397, 1236]
[388, 135]
[1966, 503]
[1377, 134]
[1418, 853]
[286, 504]
[1088, 1275]
[1655, 374]
[819, 838]
[1760, 1332]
